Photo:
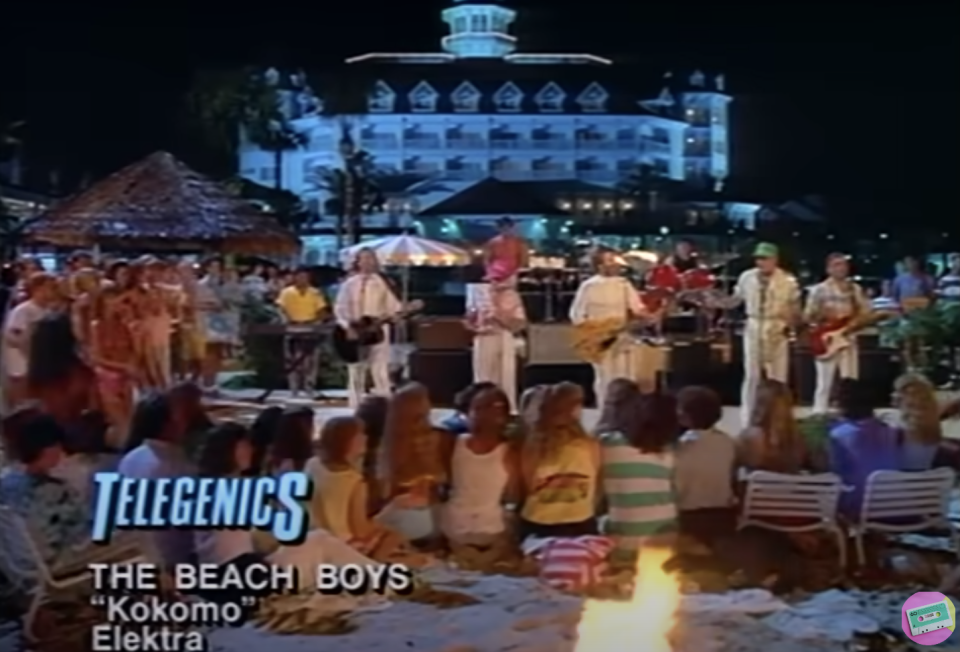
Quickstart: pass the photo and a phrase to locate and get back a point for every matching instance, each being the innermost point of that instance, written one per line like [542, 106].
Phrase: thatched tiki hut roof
[160, 203]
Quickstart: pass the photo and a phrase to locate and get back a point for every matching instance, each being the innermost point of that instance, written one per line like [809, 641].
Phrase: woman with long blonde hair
[772, 441]
[919, 420]
[560, 465]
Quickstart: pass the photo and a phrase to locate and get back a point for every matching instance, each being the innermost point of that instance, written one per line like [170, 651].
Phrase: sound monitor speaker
[803, 375]
[444, 373]
[441, 334]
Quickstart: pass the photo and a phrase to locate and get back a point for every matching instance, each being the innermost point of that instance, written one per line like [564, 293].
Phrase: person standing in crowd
[42, 293]
[366, 293]
[213, 307]
[604, 297]
[948, 286]
[836, 298]
[913, 286]
[302, 305]
[771, 297]
[505, 254]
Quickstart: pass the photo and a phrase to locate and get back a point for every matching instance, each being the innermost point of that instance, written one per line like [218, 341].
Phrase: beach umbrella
[410, 251]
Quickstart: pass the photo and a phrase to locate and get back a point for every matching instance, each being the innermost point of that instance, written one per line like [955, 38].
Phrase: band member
[365, 293]
[301, 304]
[496, 318]
[834, 299]
[684, 257]
[607, 296]
[771, 297]
[505, 254]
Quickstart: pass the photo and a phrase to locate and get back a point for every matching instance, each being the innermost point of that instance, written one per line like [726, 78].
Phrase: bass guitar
[836, 335]
[350, 344]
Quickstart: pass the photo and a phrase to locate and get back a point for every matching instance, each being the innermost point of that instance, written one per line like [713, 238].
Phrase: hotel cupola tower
[479, 30]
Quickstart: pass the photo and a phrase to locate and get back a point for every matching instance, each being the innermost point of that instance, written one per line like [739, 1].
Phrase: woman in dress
[87, 285]
[114, 355]
[213, 311]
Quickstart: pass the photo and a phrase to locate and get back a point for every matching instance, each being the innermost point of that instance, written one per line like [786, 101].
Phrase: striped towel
[571, 564]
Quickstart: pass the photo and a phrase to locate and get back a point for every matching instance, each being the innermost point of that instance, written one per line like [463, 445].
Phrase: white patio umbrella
[406, 251]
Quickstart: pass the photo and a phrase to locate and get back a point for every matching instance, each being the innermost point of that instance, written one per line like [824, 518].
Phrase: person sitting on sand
[705, 467]
[458, 422]
[484, 471]
[340, 496]
[559, 467]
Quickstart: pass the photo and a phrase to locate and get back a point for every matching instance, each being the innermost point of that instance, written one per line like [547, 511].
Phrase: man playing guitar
[832, 306]
[302, 307]
[365, 293]
[605, 302]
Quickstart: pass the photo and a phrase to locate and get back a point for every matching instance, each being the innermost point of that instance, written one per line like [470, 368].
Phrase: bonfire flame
[648, 615]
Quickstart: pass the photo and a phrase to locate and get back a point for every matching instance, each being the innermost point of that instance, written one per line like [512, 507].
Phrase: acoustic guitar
[592, 339]
[836, 335]
[367, 332]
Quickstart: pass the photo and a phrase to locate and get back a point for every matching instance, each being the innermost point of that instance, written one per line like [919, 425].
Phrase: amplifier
[441, 334]
[444, 373]
[551, 344]
[803, 374]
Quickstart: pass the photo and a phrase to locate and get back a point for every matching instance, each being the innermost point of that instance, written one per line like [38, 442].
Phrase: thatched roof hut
[160, 203]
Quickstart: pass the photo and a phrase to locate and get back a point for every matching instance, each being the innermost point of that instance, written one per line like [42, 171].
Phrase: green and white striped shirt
[639, 491]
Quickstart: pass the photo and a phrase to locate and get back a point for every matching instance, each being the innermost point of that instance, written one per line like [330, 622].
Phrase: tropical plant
[925, 335]
[227, 107]
[285, 206]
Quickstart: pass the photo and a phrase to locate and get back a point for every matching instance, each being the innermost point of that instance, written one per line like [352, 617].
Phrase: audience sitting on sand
[56, 514]
[484, 477]
[372, 411]
[228, 451]
[341, 495]
[411, 468]
[458, 422]
[772, 441]
[559, 466]
[637, 434]
[704, 468]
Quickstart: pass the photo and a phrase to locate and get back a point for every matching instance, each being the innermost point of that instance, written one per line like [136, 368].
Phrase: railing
[596, 144]
[422, 142]
[427, 170]
[551, 143]
[508, 143]
[467, 142]
[379, 142]
[655, 146]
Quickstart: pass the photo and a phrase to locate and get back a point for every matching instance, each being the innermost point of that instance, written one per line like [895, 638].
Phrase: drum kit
[667, 290]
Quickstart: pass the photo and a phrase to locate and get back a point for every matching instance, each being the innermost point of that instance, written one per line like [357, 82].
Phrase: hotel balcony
[464, 174]
[467, 141]
[655, 147]
[509, 143]
[422, 141]
[551, 143]
[379, 141]
[597, 144]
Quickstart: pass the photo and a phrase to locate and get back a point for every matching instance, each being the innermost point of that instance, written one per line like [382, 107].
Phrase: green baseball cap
[766, 250]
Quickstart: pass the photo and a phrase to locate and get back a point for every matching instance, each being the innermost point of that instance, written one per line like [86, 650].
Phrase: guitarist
[832, 302]
[366, 293]
[607, 297]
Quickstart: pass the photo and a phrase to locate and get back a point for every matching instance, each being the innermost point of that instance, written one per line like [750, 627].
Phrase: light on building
[664, 230]
[565, 206]
[626, 205]
[587, 205]
[883, 236]
[607, 205]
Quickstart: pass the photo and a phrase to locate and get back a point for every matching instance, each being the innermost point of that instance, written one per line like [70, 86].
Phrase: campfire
[648, 615]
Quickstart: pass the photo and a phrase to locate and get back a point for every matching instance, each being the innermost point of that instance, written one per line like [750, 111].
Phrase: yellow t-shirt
[301, 306]
[564, 488]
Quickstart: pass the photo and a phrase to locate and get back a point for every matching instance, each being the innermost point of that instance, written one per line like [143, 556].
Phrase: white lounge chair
[808, 501]
[905, 501]
[24, 566]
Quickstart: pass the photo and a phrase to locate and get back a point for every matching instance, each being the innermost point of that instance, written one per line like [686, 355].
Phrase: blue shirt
[54, 512]
[857, 449]
[912, 286]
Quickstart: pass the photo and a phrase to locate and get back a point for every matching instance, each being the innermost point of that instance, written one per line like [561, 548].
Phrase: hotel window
[423, 99]
[466, 98]
[593, 99]
[508, 98]
[381, 99]
[550, 98]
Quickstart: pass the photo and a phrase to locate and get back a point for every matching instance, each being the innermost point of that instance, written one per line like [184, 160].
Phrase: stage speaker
[444, 373]
[803, 375]
[550, 374]
[879, 368]
[691, 363]
[441, 334]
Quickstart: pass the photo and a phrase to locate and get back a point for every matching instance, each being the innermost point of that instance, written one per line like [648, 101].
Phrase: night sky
[840, 98]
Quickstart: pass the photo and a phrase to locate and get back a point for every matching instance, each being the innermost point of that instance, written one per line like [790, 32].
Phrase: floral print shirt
[55, 513]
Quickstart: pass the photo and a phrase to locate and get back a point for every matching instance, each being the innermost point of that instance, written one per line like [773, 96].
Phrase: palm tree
[647, 186]
[226, 106]
[285, 206]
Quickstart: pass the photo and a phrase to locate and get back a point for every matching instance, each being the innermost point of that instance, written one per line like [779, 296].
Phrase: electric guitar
[835, 335]
[592, 339]
[366, 332]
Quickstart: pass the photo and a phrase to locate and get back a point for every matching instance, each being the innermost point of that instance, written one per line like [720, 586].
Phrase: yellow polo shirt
[300, 306]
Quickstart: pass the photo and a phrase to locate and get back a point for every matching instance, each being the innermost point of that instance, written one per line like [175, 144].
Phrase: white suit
[494, 347]
[367, 295]
[827, 301]
[601, 298]
[771, 304]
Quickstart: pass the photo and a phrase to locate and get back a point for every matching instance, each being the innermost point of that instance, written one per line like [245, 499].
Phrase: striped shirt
[639, 491]
[833, 299]
[948, 287]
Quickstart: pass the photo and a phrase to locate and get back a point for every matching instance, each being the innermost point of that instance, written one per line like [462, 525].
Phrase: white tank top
[478, 485]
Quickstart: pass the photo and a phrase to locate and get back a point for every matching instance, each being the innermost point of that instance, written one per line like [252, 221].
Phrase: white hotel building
[481, 108]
